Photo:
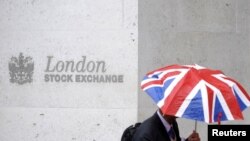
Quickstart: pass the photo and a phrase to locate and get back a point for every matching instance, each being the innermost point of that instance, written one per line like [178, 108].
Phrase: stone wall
[68, 69]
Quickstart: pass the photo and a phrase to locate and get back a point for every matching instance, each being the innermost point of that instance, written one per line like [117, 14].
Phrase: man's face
[170, 119]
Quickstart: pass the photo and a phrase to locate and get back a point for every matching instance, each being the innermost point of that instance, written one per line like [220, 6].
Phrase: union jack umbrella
[195, 92]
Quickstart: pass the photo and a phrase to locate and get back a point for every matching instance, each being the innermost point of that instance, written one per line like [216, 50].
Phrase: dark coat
[153, 129]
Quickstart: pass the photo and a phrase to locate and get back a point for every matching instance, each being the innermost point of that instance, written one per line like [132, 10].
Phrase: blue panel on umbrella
[195, 108]
[157, 92]
[218, 111]
[240, 102]
[156, 76]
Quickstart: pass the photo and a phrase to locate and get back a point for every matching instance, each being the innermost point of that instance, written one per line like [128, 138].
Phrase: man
[158, 128]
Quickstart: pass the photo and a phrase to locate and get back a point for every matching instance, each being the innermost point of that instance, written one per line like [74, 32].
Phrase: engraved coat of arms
[21, 69]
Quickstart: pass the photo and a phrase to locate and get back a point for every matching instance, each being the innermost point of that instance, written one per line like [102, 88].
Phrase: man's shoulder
[150, 124]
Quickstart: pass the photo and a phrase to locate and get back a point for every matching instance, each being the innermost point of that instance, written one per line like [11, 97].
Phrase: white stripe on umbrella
[241, 95]
[155, 85]
[200, 86]
[187, 100]
[221, 78]
[198, 67]
[171, 86]
[214, 89]
[162, 74]
[235, 87]
[220, 97]
[148, 80]
[204, 94]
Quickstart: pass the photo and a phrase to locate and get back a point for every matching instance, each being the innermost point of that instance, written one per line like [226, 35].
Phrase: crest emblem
[21, 69]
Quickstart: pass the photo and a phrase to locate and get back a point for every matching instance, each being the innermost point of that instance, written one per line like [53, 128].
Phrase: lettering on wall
[81, 71]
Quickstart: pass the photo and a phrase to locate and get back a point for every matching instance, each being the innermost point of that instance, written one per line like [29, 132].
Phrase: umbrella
[196, 92]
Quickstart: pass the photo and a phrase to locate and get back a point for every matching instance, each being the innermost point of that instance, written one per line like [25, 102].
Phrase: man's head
[169, 118]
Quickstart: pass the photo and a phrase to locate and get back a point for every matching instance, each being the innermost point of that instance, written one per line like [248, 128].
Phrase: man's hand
[194, 137]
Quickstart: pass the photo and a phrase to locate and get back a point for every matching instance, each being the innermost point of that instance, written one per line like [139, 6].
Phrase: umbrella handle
[195, 125]
[219, 118]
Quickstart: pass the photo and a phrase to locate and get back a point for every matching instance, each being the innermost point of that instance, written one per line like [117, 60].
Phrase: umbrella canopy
[196, 92]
